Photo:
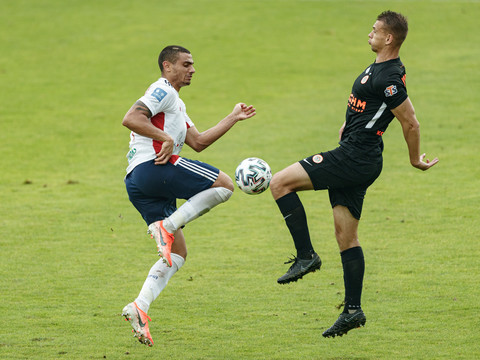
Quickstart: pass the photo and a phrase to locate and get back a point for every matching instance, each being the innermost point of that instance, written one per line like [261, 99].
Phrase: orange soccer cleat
[164, 240]
[139, 321]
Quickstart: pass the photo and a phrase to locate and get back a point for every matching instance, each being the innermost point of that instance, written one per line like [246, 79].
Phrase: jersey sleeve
[189, 121]
[393, 89]
[158, 99]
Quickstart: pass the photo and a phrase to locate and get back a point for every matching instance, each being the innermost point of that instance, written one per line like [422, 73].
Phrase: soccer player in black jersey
[378, 95]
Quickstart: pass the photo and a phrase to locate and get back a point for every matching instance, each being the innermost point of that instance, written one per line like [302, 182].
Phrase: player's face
[378, 36]
[180, 73]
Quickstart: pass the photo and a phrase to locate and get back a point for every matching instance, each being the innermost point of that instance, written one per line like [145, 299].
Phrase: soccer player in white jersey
[157, 175]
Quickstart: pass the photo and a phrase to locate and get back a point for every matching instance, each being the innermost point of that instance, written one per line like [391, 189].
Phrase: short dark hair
[395, 23]
[170, 53]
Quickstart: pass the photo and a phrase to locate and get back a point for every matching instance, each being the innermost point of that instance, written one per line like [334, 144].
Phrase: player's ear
[166, 65]
[389, 39]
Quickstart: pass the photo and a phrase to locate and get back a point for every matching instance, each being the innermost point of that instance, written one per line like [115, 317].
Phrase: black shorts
[346, 178]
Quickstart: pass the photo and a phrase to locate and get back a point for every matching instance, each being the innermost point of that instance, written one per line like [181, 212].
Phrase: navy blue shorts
[346, 178]
[154, 189]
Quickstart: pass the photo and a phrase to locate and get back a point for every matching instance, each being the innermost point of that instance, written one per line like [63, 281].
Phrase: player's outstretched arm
[243, 112]
[405, 113]
[200, 141]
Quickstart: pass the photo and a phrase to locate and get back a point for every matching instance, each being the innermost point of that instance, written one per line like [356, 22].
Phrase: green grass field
[74, 251]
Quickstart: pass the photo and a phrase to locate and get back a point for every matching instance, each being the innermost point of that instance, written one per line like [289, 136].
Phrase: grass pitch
[74, 251]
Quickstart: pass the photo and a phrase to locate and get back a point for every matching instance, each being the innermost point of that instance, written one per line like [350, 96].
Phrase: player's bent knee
[274, 184]
[223, 193]
[223, 180]
[277, 187]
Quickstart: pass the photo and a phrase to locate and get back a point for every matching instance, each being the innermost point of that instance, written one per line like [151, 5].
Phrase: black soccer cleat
[345, 323]
[300, 268]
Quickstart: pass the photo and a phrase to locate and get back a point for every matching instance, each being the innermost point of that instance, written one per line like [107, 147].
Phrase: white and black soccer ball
[253, 176]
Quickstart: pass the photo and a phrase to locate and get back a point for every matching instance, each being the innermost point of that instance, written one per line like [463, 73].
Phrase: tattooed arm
[137, 119]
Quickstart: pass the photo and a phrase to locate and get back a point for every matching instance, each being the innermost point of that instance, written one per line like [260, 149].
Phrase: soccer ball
[253, 176]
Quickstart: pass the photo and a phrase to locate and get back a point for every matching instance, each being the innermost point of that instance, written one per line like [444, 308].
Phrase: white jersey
[168, 114]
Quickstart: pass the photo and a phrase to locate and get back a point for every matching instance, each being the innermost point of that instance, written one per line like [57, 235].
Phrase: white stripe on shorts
[206, 173]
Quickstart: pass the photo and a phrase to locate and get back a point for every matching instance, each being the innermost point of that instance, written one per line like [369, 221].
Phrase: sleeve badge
[390, 90]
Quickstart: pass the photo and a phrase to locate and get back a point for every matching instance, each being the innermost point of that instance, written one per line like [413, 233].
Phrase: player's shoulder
[164, 85]
[161, 91]
[393, 67]
[389, 71]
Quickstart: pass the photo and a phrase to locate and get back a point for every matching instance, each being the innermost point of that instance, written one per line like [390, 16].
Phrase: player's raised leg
[197, 205]
[284, 187]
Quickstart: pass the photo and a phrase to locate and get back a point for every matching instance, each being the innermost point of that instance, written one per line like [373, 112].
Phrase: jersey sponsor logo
[317, 159]
[380, 133]
[390, 90]
[159, 94]
[131, 154]
[355, 104]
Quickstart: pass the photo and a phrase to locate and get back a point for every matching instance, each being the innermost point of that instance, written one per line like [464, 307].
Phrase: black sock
[294, 214]
[353, 270]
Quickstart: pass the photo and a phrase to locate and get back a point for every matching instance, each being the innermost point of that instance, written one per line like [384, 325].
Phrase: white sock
[157, 280]
[196, 206]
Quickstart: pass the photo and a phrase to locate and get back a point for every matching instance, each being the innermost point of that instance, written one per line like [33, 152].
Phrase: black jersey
[378, 89]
